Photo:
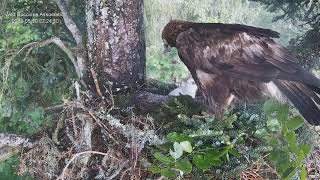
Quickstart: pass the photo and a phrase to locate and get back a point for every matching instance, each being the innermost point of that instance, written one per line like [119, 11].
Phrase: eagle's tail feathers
[304, 98]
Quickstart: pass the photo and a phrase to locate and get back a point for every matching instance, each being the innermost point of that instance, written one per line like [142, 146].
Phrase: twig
[70, 136]
[74, 123]
[71, 25]
[124, 173]
[97, 120]
[55, 135]
[117, 172]
[76, 33]
[55, 108]
[103, 126]
[109, 91]
[77, 87]
[95, 80]
[62, 176]
[63, 47]
[43, 43]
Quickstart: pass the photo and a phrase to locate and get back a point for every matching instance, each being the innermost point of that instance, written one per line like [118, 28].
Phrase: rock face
[116, 47]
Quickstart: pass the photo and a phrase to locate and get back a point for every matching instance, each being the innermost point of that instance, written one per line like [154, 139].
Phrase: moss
[159, 87]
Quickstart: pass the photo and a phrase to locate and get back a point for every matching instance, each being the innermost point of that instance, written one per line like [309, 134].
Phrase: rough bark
[116, 47]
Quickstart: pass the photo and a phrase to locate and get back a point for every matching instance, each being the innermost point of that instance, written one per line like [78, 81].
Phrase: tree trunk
[116, 47]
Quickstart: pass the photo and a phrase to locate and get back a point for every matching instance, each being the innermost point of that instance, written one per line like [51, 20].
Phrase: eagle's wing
[240, 53]
[303, 98]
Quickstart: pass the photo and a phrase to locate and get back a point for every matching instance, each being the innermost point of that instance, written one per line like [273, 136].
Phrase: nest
[260, 170]
[89, 143]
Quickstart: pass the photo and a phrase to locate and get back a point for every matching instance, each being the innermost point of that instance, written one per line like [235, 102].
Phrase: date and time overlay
[33, 18]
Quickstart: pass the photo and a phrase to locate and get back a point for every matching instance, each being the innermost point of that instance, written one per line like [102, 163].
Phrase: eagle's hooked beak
[167, 48]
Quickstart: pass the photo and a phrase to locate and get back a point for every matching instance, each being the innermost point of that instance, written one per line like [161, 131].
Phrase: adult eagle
[228, 60]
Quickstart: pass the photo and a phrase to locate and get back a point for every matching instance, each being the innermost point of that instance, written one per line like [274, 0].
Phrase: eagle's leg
[216, 90]
[218, 105]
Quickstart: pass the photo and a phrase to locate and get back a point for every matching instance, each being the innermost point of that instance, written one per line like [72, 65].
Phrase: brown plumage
[228, 60]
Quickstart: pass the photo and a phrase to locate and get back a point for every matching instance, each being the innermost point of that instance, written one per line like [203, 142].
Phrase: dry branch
[11, 143]
[63, 174]
[43, 43]
[95, 80]
[14, 140]
[76, 33]
[63, 47]
[71, 25]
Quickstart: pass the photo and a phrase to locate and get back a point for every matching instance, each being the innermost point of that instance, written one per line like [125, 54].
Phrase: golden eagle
[228, 60]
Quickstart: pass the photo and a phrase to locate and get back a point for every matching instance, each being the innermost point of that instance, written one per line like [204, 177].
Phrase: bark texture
[116, 47]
